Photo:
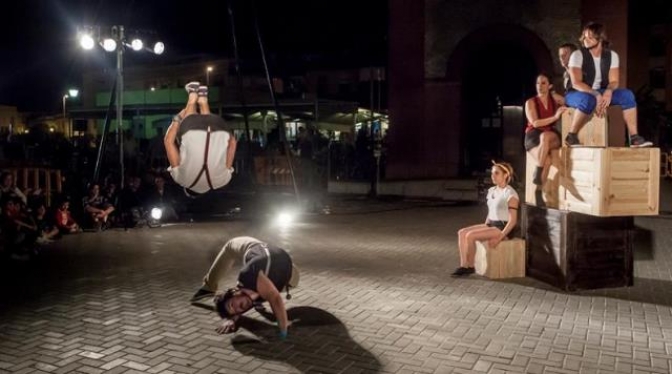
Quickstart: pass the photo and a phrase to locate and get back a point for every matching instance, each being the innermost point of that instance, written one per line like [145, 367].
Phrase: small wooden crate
[549, 192]
[576, 251]
[507, 260]
[608, 131]
[610, 181]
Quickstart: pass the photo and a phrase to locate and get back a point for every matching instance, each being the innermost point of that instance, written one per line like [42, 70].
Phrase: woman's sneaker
[462, 271]
[192, 87]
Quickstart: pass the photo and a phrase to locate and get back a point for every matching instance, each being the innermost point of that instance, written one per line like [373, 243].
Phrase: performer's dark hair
[221, 300]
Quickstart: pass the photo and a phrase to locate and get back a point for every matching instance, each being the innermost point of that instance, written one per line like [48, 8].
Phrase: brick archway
[494, 62]
[498, 33]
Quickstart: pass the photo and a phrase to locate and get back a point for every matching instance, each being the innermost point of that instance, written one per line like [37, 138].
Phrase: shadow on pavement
[317, 342]
[644, 290]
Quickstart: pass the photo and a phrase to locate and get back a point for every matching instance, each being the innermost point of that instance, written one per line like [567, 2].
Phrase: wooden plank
[654, 181]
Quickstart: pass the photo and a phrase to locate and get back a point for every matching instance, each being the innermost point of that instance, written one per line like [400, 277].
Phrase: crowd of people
[28, 224]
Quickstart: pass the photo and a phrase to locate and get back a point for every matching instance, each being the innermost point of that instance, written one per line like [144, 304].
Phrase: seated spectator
[111, 197]
[130, 204]
[8, 188]
[47, 232]
[64, 221]
[96, 208]
[18, 230]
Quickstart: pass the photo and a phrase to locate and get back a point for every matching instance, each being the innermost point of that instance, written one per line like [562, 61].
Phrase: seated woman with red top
[541, 135]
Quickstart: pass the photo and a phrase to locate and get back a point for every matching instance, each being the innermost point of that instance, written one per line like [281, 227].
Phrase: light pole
[67, 126]
[118, 43]
[208, 70]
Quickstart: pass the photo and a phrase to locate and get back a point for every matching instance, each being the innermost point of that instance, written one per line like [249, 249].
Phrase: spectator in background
[161, 197]
[564, 51]
[8, 188]
[47, 232]
[97, 208]
[64, 221]
[130, 203]
[18, 229]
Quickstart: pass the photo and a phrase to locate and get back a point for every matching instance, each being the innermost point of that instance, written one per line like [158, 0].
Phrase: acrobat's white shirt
[192, 152]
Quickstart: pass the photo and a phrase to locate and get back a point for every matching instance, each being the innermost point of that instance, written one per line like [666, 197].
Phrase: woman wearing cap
[502, 219]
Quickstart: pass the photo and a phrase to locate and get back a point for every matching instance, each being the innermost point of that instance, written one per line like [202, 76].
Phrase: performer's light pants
[233, 251]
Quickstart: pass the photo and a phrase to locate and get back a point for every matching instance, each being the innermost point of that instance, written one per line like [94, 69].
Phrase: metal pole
[281, 122]
[241, 92]
[103, 137]
[65, 127]
[120, 100]
[374, 184]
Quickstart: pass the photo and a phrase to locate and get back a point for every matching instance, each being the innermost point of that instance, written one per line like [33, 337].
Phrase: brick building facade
[437, 99]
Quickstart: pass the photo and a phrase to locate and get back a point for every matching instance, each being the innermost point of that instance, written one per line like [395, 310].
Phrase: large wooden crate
[507, 260]
[610, 181]
[608, 131]
[576, 251]
[549, 192]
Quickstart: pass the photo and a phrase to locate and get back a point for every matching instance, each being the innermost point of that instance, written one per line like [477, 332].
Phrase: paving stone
[118, 302]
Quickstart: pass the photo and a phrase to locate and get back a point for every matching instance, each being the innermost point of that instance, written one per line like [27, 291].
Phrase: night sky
[41, 56]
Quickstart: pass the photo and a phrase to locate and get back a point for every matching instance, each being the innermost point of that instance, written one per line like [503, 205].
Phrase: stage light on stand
[86, 41]
[136, 44]
[156, 214]
[159, 47]
[109, 45]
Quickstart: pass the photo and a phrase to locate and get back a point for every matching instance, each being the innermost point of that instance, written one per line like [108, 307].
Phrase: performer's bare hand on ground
[227, 327]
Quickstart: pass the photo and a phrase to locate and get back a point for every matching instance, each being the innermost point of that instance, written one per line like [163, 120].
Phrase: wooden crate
[549, 192]
[576, 251]
[610, 181]
[608, 131]
[507, 260]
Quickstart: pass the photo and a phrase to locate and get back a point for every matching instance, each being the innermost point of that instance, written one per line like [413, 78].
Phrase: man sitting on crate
[204, 159]
[594, 74]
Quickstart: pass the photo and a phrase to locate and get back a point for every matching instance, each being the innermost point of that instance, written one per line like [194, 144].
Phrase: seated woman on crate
[500, 223]
[543, 111]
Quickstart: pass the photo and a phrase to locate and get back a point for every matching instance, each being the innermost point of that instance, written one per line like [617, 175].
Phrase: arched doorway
[495, 67]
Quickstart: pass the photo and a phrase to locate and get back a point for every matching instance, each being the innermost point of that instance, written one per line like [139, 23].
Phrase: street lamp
[118, 43]
[67, 127]
[208, 70]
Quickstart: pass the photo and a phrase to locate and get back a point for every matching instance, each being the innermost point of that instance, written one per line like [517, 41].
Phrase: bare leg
[191, 105]
[578, 121]
[630, 117]
[462, 241]
[483, 234]
[203, 105]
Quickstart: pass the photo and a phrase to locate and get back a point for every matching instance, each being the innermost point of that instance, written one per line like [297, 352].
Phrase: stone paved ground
[375, 296]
